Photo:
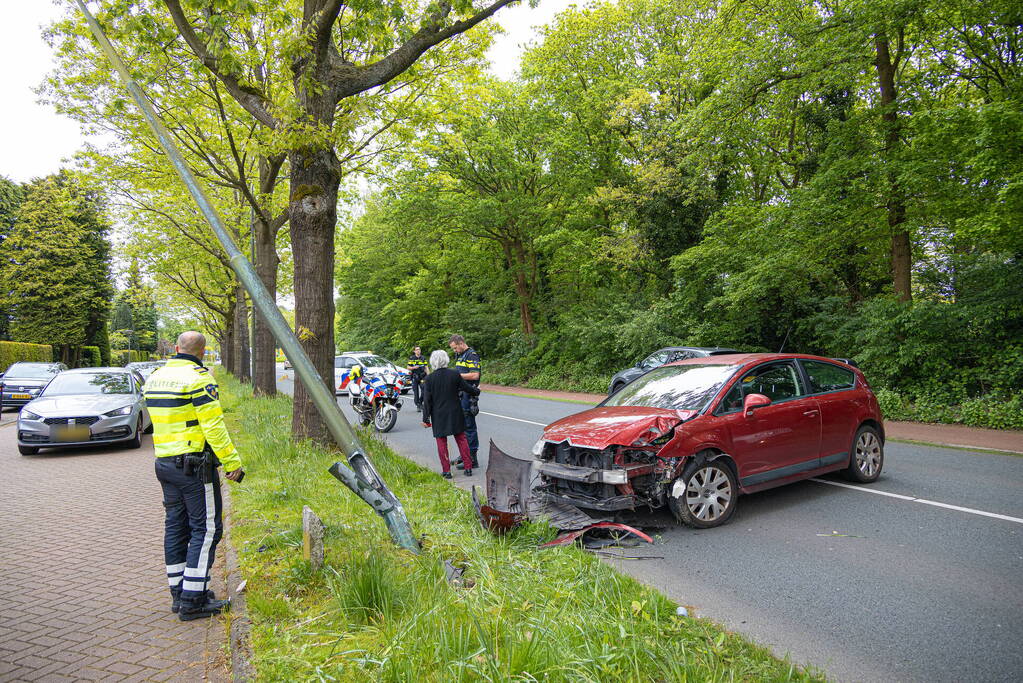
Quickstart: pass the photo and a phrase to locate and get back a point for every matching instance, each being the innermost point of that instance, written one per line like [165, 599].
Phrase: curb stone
[238, 636]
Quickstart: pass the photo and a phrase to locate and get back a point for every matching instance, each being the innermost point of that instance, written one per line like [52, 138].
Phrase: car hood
[11, 382]
[79, 404]
[619, 425]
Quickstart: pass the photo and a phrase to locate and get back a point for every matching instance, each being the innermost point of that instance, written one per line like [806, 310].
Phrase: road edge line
[914, 499]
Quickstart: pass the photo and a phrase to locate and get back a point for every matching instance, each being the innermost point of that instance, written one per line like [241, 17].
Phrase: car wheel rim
[868, 454]
[708, 494]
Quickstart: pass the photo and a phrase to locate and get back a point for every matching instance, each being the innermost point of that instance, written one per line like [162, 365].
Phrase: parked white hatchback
[85, 407]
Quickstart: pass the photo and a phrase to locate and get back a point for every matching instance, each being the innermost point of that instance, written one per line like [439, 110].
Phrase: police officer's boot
[176, 598]
[475, 462]
[207, 609]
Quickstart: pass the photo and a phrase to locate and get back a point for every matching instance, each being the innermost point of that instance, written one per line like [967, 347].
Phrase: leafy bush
[91, 357]
[13, 352]
[988, 411]
[124, 356]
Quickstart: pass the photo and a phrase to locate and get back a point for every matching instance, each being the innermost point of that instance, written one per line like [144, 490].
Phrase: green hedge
[12, 352]
[124, 356]
[91, 357]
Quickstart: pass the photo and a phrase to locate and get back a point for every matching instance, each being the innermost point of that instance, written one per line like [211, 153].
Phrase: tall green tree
[11, 196]
[56, 279]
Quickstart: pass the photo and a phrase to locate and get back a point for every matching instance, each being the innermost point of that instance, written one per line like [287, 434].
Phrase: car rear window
[828, 377]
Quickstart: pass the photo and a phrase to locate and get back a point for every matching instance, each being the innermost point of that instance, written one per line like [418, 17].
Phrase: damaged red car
[696, 434]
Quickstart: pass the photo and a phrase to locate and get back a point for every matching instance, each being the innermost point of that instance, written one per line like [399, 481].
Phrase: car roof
[34, 362]
[716, 349]
[85, 371]
[744, 358]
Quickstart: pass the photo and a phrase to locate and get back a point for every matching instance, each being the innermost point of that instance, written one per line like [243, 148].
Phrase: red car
[697, 433]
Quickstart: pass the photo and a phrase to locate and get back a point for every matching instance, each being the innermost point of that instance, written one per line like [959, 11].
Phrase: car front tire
[136, 442]
[705, 495]
[27, 450]
[867, 457]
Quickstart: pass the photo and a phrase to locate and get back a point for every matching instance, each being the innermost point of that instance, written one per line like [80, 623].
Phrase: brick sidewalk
[84, 594]
[941, 434]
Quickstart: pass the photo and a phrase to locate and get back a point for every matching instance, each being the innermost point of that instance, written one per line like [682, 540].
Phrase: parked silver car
[85, 407]
[146, 367]
[23, 381]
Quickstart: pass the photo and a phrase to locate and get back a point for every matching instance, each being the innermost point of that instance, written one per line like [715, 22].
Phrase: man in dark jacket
[442, 410]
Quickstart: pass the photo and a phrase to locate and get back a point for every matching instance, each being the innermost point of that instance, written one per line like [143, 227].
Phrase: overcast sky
[34, 139]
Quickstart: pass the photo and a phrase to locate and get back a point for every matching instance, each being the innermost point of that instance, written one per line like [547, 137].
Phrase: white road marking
[914, 499]
[542, 424]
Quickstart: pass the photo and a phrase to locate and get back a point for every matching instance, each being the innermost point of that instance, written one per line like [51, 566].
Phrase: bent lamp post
[364, 481]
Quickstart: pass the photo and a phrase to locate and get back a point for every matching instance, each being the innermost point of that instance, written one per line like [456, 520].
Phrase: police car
[371, 363]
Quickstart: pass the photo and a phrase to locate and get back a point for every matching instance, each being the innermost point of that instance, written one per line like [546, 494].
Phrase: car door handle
[811, 413]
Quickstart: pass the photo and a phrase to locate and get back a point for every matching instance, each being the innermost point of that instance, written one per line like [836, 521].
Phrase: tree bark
[227, 344]
[515, 255]
[267, 262]
[895, 204]
[242, 368]
[313, 214]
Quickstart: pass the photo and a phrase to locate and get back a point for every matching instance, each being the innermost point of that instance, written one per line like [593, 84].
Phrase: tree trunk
[515, 254]
[895, 204]
[264, 347]
[312, 215]
[242, 368]
[227, 343]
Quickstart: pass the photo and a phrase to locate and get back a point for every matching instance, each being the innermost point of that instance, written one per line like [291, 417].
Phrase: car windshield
[677, 387]
[31, 371]
[70, 383]
[374, 361]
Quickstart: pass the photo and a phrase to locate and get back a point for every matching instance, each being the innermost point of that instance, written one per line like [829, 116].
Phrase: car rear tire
[137, 441]
[867, 457]
[28, 450]
[705, 495]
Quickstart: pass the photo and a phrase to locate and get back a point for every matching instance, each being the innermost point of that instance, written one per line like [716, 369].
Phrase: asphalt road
[865, 587]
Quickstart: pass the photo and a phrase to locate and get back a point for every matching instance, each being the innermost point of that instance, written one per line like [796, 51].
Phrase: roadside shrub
[989, 411]
[91, 357]
[124, 356]
[13, 352]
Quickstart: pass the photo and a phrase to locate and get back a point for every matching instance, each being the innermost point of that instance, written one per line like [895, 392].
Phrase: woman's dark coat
[441, 404]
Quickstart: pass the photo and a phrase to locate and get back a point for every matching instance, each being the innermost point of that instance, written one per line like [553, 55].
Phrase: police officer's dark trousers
[193, 527]
[417, 389]
[470, 426]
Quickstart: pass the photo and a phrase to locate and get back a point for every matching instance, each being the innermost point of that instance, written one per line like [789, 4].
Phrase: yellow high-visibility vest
[184, 403]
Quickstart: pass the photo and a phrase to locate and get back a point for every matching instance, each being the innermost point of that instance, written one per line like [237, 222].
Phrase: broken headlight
[538, 446]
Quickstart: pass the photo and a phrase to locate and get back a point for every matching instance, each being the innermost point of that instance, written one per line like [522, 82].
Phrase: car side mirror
[754, 401]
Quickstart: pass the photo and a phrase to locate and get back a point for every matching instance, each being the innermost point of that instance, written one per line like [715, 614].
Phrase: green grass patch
[376, 612]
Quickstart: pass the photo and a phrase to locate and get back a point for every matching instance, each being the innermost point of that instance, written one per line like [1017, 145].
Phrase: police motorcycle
[375, 398]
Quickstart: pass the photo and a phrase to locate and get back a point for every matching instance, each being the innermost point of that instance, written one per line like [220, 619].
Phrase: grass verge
[375, 612]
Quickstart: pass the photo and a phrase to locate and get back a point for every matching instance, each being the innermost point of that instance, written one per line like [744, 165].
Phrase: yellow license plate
[71, 433]
[21, 396]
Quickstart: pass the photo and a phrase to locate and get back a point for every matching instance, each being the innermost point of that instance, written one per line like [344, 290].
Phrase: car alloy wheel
[868, 456]
[705, 495]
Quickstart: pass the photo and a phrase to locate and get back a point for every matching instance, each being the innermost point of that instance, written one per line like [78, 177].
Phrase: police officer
[190, 440]
[417, 367]
[467, 362]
